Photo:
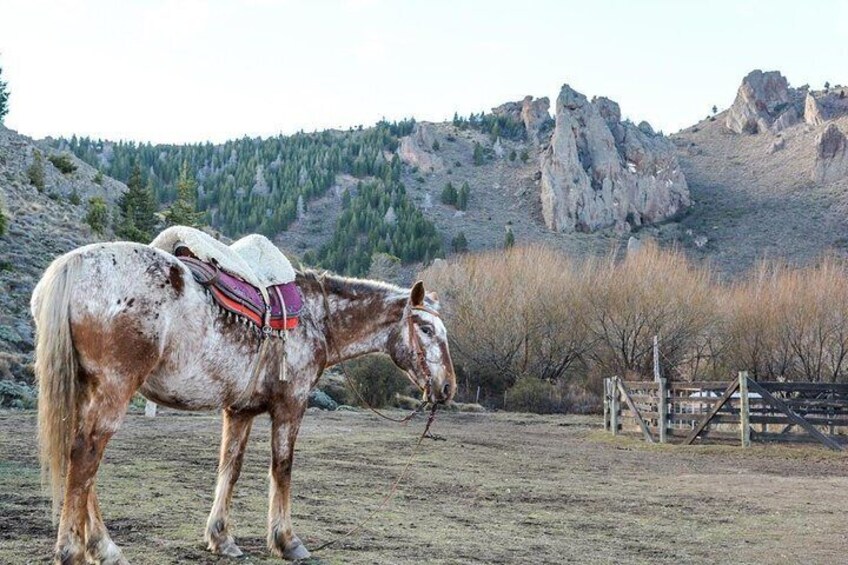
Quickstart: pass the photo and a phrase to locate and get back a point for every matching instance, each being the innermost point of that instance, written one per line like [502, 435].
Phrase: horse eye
[427, 330]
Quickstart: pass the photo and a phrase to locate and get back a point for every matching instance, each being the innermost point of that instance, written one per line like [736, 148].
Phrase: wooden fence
[742, 409]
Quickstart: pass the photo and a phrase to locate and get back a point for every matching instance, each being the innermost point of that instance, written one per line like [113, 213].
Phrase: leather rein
[420, 358]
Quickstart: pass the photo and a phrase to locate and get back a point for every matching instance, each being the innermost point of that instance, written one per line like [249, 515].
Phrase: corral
[502, 488]
[741, 409]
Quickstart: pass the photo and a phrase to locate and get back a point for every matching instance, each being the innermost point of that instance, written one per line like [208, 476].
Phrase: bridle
[418, 349]
[425, 369]
[418, 352]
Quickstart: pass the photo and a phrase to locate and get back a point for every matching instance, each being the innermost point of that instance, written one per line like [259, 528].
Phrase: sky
[172, 71]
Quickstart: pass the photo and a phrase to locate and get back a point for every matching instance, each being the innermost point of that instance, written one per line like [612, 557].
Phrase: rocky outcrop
[416, 150]
[822, 106]
[831, 155]
[764, 103]
[600, 172]
[812, 111]
[534, 114]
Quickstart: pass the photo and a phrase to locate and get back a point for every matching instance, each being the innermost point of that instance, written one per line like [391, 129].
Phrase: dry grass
[503, 488]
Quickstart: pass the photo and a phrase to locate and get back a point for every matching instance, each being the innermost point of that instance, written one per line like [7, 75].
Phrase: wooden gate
[741, 409]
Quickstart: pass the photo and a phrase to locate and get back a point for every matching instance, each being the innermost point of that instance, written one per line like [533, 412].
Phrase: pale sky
[195, 70]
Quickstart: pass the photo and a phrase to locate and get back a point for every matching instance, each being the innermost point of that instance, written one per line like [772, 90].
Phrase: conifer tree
[4, 97]
[97, 215]
[138, 208]
[509, 238]
[449, 194]
[462, 196]
[183, 211]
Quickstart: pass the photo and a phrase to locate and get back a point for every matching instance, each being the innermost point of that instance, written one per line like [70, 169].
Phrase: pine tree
[138, 209]
[478, 154]
[183, 211]
[4, 97]
[462, 197]
[449, 194]
[35, 172]
[97, 215]
[3, 222]
[509, 238]
[459, 243]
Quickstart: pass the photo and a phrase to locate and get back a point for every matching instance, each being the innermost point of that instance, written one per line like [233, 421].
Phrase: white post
[744, 410]
[150, 409]
[656, 359]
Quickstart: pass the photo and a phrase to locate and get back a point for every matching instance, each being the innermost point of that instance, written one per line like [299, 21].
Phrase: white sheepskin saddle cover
[253, 258]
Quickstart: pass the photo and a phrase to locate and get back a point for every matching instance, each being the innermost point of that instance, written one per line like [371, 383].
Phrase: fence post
[606, 404]
[744, 410]
[614, 405]
[150, 409]
[662, 408]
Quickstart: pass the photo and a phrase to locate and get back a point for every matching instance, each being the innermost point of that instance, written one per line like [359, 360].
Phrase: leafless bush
[532, 313]
[518, 312]
[651, 293]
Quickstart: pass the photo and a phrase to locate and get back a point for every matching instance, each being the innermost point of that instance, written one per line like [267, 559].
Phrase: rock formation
[763, 103]
[600, 172]
[416, 149]
[831, 155]
[822, 106]
[534, 114]
[812, 111]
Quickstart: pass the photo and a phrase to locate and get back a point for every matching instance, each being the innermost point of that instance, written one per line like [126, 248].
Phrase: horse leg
[80, 525]
[235, 432]
[99, 546]
[285, 423]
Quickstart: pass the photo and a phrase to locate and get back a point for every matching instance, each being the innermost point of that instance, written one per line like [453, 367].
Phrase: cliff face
[601, 172]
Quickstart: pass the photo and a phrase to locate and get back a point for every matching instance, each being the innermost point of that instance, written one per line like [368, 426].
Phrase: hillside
[767, 177]
[757, 196]
[42, 224]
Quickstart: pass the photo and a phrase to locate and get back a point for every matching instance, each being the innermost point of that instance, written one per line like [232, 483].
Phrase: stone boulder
[534, 114]
[416, 149]
[320, 399]
[600, 172]
[831, 155]
[764, 103]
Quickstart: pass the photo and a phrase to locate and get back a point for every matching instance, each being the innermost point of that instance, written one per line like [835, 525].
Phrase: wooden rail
[742, 408]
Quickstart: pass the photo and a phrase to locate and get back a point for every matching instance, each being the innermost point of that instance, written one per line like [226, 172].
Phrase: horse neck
[363, 315]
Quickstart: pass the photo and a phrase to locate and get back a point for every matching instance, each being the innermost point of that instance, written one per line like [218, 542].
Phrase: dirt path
[503, 488]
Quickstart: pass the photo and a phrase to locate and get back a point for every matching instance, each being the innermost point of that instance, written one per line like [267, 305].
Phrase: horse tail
[56, 371]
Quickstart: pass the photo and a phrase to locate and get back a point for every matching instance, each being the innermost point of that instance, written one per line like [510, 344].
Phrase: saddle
[238, 297]
[251, 279]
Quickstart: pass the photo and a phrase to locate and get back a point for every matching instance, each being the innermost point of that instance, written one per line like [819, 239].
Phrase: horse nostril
[446, 390]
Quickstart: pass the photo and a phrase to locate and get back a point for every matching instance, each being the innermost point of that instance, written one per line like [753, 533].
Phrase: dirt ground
[502, 488]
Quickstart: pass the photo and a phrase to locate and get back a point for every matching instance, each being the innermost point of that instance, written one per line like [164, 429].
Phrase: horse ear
[416, 297]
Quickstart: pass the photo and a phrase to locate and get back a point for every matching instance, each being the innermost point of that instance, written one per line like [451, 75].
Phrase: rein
[388, 496]
[419, 354]
[422, 361]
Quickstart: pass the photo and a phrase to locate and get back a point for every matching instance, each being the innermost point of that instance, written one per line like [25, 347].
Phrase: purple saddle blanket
[245, 300]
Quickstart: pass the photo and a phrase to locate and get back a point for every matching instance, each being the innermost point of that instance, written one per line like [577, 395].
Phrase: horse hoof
[229, 549]
[296, 551]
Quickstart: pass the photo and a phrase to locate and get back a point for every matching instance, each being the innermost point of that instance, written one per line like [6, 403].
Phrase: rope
[392, 491]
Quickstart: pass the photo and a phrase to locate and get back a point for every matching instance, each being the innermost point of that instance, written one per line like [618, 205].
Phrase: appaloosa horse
[116, 318]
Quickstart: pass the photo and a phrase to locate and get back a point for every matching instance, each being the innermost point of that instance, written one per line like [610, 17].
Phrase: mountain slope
[42, 224]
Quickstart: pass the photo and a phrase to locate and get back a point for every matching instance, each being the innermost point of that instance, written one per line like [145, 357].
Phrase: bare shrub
[652, 292]
[791, 323]
[514, 313]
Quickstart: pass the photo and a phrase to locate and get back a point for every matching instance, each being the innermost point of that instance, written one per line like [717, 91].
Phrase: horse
[116, 318]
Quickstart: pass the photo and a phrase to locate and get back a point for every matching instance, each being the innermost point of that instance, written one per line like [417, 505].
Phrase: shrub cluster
[525, 322]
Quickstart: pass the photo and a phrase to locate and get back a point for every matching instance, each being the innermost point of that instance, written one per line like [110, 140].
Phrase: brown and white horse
[116, 318]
